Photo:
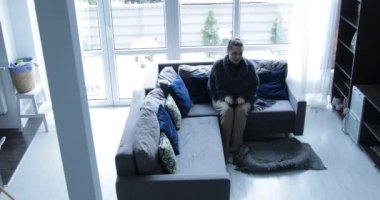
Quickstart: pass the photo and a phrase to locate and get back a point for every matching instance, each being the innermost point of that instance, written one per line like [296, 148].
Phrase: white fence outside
[133, 21]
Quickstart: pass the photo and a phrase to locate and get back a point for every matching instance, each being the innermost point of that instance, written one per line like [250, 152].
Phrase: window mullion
[108, 54]
[172, 29]
[236, 18]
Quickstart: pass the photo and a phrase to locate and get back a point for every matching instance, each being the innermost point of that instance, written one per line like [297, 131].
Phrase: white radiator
[3, 103]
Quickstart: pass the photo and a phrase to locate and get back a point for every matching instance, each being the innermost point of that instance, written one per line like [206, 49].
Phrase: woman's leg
[240, 119]
[226, 114]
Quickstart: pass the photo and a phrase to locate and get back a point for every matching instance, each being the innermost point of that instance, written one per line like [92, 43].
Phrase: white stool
[37, 106]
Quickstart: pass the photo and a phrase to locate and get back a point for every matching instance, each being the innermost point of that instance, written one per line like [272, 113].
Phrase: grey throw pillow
[188, 71]
[153, 100]
[145, 147]
[165, 78]
[147, 134]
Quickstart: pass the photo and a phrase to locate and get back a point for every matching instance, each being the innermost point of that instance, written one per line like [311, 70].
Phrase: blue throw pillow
[273, 85]
[265, 77]
[180, 95]
[166, 126]
[199, 88]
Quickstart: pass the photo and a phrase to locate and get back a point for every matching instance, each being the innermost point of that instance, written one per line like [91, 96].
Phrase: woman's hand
[240, 100]
[229, 100]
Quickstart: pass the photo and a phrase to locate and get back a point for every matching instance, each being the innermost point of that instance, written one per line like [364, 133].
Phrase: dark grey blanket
[276, 155]
[261, 104]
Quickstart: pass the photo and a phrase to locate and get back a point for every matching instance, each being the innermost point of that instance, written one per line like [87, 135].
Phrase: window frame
[172, 49]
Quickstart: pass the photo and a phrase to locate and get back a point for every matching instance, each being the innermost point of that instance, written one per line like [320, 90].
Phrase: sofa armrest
[124, 159]
[174, 186]
[298, 102]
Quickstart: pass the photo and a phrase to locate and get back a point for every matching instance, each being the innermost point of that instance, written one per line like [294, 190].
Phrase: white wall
[7, 53]
[21, 38]
[22, 31]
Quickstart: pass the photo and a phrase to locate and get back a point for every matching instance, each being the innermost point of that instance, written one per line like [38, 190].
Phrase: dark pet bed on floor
[276, 155]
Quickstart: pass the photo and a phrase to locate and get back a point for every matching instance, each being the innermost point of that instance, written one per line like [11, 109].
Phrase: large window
[206, 23]
[263, 23]
[138, 25]
[122, 39]
[91, 43]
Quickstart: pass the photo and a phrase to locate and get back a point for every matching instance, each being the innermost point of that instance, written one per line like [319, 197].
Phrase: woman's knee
[243, 108]
[227, 111]
[222, 107]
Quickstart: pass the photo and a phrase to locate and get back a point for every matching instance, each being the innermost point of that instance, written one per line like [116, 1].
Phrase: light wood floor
[349, 175]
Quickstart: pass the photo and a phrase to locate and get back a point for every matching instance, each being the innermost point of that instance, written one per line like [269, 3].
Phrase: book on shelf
[376, 149]
[353, 41]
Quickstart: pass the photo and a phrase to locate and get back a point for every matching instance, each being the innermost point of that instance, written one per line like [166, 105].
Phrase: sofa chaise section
[201, 172]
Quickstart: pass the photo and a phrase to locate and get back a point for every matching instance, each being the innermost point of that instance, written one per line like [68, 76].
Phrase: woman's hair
[234, 42]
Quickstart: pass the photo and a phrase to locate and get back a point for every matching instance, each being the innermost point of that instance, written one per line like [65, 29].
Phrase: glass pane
[94, 77]
[131, 70]
[138, 24]
[265, 22]
[88, 24]
[205, 22]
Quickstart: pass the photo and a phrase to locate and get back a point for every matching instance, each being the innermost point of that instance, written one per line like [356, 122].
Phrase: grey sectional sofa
[201, 170]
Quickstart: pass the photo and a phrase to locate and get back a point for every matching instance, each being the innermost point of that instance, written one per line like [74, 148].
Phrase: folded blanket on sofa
[261, 104]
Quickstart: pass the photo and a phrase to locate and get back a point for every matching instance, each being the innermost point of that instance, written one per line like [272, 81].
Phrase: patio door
[120, 40]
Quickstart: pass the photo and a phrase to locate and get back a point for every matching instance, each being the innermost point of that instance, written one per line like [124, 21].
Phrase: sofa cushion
[166, 126]
[166, 154]
[180, 95]
[202, 110]
[200, 89]
[173, 111]
[201, 147]
[279, 106]
[279, 118]
[125, 161]
[272, 85]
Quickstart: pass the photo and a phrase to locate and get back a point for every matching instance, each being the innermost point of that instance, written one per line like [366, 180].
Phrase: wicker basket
[24, 82]
[23, 75]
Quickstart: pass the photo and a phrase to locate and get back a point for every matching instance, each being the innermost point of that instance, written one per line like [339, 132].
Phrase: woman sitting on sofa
[233, 82]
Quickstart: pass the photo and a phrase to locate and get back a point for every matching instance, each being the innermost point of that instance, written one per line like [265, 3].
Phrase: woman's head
[235, 50]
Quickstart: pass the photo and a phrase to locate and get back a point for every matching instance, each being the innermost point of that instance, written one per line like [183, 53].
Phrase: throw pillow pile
[153, 152]
[272, 75]
[169, 112]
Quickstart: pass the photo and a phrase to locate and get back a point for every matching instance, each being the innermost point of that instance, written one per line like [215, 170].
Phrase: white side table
[37, 107]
